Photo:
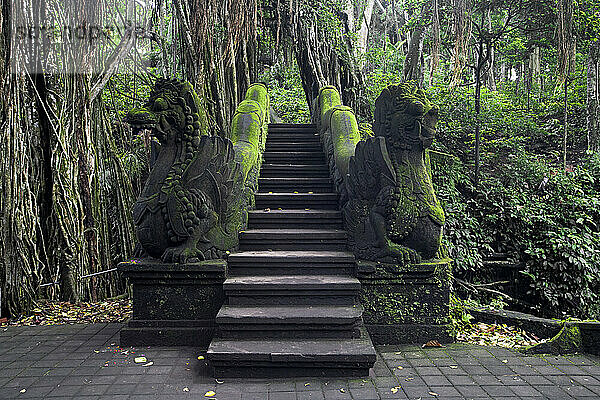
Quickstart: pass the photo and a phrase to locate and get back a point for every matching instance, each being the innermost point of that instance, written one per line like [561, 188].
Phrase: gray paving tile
[595, 389]
[436, 380]
[496, 391]
[286, 396]
[414, 392]
[525, 391]
[488, 379]
[310, 395]
[578, 391]
[560, 379]
[444, 391]
[471, 390]
[552, 392]
[428, 371]
[461, 379]
[535, 380]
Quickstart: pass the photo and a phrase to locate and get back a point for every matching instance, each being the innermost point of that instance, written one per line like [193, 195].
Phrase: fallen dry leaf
[210, 393]
[500, 335]
[432, 343]
[60, 313]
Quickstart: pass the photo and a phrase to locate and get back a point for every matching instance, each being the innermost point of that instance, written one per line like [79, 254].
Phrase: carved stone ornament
[393, 215]
[189, 208]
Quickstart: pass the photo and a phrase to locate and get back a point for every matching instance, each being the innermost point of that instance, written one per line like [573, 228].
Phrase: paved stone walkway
[85, 362]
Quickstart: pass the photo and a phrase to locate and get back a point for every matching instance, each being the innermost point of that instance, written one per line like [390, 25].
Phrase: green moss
[344, 135]
[407, 294]
[329, 97]
[566, 341]
[249, 129]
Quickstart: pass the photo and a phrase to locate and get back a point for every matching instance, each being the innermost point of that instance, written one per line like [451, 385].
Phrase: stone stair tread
[294, 154]
[301, 179]
[297, 213]
[299, 195]
[294, 165]
[297, 282]
[296, 233]
[291, 125]
[348, 350]
[294, 255]
[298, 315]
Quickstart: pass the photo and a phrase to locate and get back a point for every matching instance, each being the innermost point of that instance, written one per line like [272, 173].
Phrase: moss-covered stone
[567, 340]
[249, 128]
[397, 295]
[339, 132]
[186, 209]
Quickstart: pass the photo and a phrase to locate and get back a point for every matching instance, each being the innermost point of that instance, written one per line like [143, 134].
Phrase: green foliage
[524, 205]
[286, 93]
[460, 319]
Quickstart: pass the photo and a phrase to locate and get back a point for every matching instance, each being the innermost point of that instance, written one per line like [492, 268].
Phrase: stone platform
[406, 303]
[86, 362]
[173, 304]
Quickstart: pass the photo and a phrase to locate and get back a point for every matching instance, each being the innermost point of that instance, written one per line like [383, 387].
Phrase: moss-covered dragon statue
[393, 214]
[189, 208]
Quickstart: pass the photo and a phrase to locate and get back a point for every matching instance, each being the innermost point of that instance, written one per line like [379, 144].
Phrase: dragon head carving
[172, 108]
[405, 117]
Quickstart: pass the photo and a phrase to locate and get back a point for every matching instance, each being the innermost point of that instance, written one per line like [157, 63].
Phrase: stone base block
[590, 337]
[173, 304]
[406, 303]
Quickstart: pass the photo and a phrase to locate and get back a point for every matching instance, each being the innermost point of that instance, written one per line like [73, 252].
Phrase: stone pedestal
[406, 304]
[173, 304]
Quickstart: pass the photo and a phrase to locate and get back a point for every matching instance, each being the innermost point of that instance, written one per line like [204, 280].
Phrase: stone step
[308, 138]
[285, 262]
[300, 157]
[295, 184]
[313, 201]
[292, 290]
[294, 146]
[295, 219]
[289, 321]
[292, 127]
[294, 170]
[292, 357]
[293, 239]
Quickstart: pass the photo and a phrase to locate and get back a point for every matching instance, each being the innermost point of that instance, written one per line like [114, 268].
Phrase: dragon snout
[141, 118]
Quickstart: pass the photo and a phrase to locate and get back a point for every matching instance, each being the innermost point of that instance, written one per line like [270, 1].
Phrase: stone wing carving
[370, 170]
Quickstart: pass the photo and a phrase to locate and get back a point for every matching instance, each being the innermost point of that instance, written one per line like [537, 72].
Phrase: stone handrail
[339, 134]
[249, 128]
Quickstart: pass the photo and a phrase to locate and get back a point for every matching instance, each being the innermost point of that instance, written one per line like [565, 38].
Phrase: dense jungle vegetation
[517, 162]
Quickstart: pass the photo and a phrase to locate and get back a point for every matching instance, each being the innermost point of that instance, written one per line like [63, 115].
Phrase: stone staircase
[292, 296]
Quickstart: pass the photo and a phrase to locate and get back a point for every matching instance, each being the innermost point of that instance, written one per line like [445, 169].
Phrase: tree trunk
[4, 95]
[593, 98]
[322, 65]
[479, 65]
[413, 70]
[436, 39]
[363, 32]
[527, 73]
[565, 124]
[490, 75]
[536, 69]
